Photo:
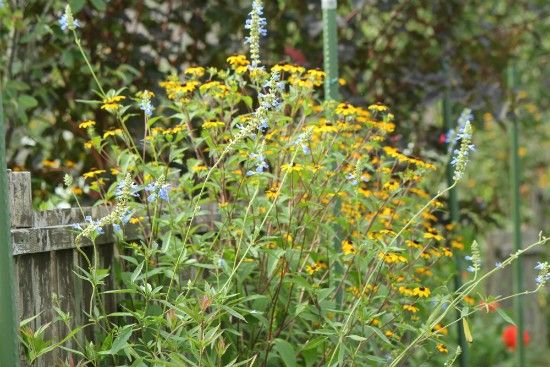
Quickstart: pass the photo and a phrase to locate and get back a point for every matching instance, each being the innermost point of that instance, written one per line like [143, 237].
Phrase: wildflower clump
[267, 225]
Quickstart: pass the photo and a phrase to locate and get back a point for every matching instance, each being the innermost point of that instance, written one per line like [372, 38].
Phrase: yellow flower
[469, 300]
[295, 167]
[50, 164]
[421, 292]
[94, 173]
[413, 244]
[391, 185]
[199, 168]
[391, 258]
[442, 348]
[195, 71]
[378, 107]
[238, 61]
[88, 144]
[112, 133]
[411, 308]
[272, 192]
[76, 190]
[347, 247]
[406, 291]
[136, 220]
[457, 245]
[86, 124]
[212, 124]
[345, 109]
[431, 233]
[115, 171]
[440, 329]
[318, 266]
[112, 103]
[388, 333]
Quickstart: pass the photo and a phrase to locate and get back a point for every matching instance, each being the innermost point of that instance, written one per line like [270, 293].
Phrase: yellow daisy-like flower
[317, 266]
[112, 104]
[421, 292]
[406, 291]
[347, 247]
[199, 168]
[378, 107]
[238, 61]
[212, 124]
[440, 329]
[195, 71]
[114, 132]
[345, 109]
[413, 244]
[50, 164]
[76, 190]
[442, 348]
[136, 220]
[272, 192]
[94, 173]
[295, 167]
[86, 124]
[411, 308]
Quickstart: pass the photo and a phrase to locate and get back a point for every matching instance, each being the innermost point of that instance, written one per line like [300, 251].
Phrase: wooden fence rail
[45, 258]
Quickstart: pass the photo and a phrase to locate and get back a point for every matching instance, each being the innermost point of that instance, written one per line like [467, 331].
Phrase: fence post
[9, 338]
[330, 49]
[516, 213]
[330, 61]
[454, 218]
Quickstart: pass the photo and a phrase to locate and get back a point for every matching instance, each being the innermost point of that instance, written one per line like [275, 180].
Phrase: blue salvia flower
[498, 265]
[475, 258]
[158, 189]
[163, 192]
[260, 162]
[302, 141]
[464, 135]
[144, 102]
[126, 217]
[351, 177]
[67, 21]
[256, 25]
[116, 228]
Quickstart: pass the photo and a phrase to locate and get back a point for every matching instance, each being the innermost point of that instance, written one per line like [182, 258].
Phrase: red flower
[442, 138]
[509, 337]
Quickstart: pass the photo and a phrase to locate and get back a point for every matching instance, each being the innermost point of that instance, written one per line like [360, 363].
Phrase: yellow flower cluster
[112, 104]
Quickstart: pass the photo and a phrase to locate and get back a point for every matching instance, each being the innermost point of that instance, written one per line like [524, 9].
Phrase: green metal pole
[330, 59]
[9, 342]
[454, 217]
[515, 174]
[330, 49]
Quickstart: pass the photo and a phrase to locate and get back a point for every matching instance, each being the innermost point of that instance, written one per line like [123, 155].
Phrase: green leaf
[121, 341]
[505, 316]
[137, 272]
[77, 5]
[26, 102]
[357, 338]
[380, 334]
[286, 352]
[99, 4]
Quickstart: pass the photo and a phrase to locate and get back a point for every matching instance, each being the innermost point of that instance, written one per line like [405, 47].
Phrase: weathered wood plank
[20, 199]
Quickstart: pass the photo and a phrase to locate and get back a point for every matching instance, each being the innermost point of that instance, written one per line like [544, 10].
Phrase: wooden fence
[44, 260]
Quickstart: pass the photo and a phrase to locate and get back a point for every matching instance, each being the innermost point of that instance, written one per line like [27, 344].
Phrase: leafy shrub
[324, 246]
